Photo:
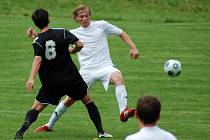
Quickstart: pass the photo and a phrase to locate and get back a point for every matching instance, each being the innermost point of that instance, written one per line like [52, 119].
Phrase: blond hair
[79, 8]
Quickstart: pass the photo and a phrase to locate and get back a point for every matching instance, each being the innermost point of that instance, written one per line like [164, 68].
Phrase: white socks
[121, 96]
[59, 111]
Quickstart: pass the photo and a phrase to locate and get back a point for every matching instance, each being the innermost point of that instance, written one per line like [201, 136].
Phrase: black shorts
[53, 95]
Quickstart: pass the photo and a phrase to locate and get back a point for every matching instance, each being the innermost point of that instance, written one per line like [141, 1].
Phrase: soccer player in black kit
[57, 72]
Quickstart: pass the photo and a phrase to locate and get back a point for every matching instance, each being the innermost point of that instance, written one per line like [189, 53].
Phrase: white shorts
[101, 74]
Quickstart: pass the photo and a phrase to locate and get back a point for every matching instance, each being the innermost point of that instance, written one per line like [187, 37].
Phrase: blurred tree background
[135, 10]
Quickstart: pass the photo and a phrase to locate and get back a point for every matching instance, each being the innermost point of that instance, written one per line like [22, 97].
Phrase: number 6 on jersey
[50, 52]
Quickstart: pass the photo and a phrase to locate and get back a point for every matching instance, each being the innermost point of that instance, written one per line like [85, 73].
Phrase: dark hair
[40, 18]
[78, 8]
[148, 109]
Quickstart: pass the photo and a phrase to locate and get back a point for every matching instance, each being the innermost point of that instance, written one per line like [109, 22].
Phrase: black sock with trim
[31, 117]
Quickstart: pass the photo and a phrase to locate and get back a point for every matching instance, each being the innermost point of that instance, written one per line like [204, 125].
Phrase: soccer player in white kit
[147, 114]
[95, 61]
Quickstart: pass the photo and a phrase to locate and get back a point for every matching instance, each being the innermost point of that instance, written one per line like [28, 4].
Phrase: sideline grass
[185, 99]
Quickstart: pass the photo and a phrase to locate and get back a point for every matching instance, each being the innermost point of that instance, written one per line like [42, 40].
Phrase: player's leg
[88, 77]
[121, 95]
[61, 109]
[120, 91]
[58, 112]
[79, 92]
[30, 117]
[95, 116]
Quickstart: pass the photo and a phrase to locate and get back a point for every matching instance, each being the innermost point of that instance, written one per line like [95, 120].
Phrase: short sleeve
[69, 38]
[111, 29]
[37, 49]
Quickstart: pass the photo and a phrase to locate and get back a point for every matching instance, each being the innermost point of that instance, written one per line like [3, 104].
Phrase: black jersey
[57, 69]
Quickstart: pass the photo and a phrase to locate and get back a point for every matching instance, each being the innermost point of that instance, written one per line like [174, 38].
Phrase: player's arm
[76, 47]
[133, 50]
[75, 44]
[34, 70]
[31, 32]
[111, 29]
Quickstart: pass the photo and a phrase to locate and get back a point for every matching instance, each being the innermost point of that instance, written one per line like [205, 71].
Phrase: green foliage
[126, 10]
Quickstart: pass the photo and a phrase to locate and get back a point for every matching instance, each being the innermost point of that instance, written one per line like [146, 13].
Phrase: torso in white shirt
[151, 133]
[95, 52]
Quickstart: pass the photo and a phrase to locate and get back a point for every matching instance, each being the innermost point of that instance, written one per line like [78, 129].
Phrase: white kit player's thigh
[105, 74]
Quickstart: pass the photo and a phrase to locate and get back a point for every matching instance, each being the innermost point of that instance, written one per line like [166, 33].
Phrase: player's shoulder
[171, 136]
[61, 30]
[37, 42]
[134, 136]
[100, 22]
[38, 39]
[58, 29]
[168, 134]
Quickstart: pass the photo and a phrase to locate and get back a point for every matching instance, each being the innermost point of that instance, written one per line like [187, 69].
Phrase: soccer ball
[173, 67]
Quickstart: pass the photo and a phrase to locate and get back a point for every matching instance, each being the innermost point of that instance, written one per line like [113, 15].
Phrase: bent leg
[121, 95]
[120, 91]
[30, 117]
[59, 111]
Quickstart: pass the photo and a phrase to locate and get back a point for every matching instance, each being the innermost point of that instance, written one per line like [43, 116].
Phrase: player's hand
[71, 48]
[134, 53]
[74, 48]
[31, 32]
[29, 85]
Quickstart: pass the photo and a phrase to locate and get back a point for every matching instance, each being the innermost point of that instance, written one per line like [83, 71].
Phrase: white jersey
[151, 133]
[95, 52]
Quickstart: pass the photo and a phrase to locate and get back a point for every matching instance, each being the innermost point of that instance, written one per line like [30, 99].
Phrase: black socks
[95, 116]
[31, 117]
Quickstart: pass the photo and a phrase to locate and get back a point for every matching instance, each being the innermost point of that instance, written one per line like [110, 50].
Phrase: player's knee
[38, 106]
[87, 99]
[117, 79]
[119, 82]
[68, 101]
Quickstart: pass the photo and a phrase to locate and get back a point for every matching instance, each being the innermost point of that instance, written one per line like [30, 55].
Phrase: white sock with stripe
[59, 111]
[121, 95]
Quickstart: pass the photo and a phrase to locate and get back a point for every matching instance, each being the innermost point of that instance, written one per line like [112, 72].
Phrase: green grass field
[185, 99]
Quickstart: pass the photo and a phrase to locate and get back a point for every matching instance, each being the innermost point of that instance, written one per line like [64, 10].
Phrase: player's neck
[141, 124]
[44, 29]
[149, 125]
